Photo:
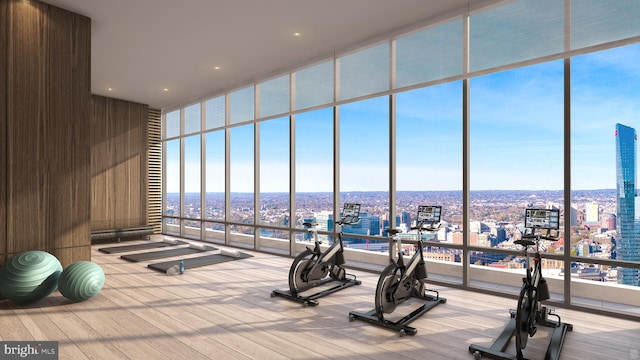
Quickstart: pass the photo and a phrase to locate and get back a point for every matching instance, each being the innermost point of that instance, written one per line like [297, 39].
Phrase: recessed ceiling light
[165, 89]
[109, 89]
[297, 34]
[216, 68]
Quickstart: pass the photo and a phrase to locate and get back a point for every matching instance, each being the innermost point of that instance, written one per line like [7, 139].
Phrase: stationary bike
[312, 267]
[399, 282]
[540, 224]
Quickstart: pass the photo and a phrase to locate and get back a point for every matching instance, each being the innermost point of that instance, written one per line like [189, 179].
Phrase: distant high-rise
[591, 212]
[609, 221]
[325, 223]
[374, 225]
[573, 215]
[628, 239]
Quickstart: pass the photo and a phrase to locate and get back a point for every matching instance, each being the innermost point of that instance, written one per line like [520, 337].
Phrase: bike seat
[524, 242]
[310, 224]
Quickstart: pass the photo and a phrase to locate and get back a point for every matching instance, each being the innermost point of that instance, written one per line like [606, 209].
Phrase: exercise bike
[312, 267]
[540, 224]
[399, 282]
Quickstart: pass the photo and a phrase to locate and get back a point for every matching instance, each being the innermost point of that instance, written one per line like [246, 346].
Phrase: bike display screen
[429, 214]
[542, 219]
[351, 210]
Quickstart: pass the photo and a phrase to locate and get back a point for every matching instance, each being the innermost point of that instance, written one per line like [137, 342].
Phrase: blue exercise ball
[81, 280]
[29, 276]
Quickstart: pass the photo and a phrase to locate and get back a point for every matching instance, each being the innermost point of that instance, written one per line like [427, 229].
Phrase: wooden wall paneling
[102, 160]
[81, 113]
[81, 93]
[67, 130]
[47, 127]
[4, 38]
[121, 167]
[118, 163]
[58, 125]
[69, 255]
[26, 104]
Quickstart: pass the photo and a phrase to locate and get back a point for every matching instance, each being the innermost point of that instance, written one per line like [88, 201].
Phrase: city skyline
[626, 175]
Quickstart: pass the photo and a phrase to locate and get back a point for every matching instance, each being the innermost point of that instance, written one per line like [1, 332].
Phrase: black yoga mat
[164, 253]
[149, 245]
[198, 261]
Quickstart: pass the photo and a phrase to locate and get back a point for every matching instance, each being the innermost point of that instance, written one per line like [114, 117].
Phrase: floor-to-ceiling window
[364, 170]
[275, 212]
[429, 166]
[241, 195]
[394, 125]
[171, 194]
[214, 169]
[314, 171]
[605, 222]
[516, 161]
[215, 184]
[191, 212]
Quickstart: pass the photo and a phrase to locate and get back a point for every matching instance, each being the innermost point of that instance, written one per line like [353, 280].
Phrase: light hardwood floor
[225, 311]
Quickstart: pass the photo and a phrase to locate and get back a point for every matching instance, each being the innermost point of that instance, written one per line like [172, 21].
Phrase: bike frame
[399, 257]
[530, 289]
[530, 312]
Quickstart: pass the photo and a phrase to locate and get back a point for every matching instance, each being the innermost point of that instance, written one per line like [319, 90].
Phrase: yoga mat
[191, 263]
[164, 253]
[149, 245]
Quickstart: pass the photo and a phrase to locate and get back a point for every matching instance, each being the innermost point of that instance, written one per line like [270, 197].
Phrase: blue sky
[516, 134]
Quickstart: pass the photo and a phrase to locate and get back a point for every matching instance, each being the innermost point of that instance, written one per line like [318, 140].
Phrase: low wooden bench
[98, 235]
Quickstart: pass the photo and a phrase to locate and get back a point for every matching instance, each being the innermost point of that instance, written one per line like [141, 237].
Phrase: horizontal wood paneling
[47, 94]
[118, 164]
[154, 171]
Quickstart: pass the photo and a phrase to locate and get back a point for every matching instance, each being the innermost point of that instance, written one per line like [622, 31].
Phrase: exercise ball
[29, 276]
[81, 280]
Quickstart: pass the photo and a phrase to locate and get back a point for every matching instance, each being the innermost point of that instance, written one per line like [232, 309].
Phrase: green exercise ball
[81, 280]
[29, 276]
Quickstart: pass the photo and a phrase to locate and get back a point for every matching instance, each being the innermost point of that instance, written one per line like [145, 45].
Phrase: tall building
[325, 223]
[628, 239]
[573, 215]
[374, 225]
[591, 212]
[609, 221]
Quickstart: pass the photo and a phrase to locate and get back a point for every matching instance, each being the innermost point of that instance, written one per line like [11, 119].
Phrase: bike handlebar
[349, 220]
[429, 227]
[541, 237]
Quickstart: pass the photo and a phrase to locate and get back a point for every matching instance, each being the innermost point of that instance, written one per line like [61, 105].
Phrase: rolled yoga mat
[166, 253]
[230, 252]
[197, 246]
[195, 262]
[149, 245]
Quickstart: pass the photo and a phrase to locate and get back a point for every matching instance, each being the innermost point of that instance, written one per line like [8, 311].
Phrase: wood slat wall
[154, 170]
[48, 94]
[4, 38]
[118, 163]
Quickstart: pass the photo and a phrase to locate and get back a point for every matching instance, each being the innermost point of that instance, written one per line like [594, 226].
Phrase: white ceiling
[141, 47]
